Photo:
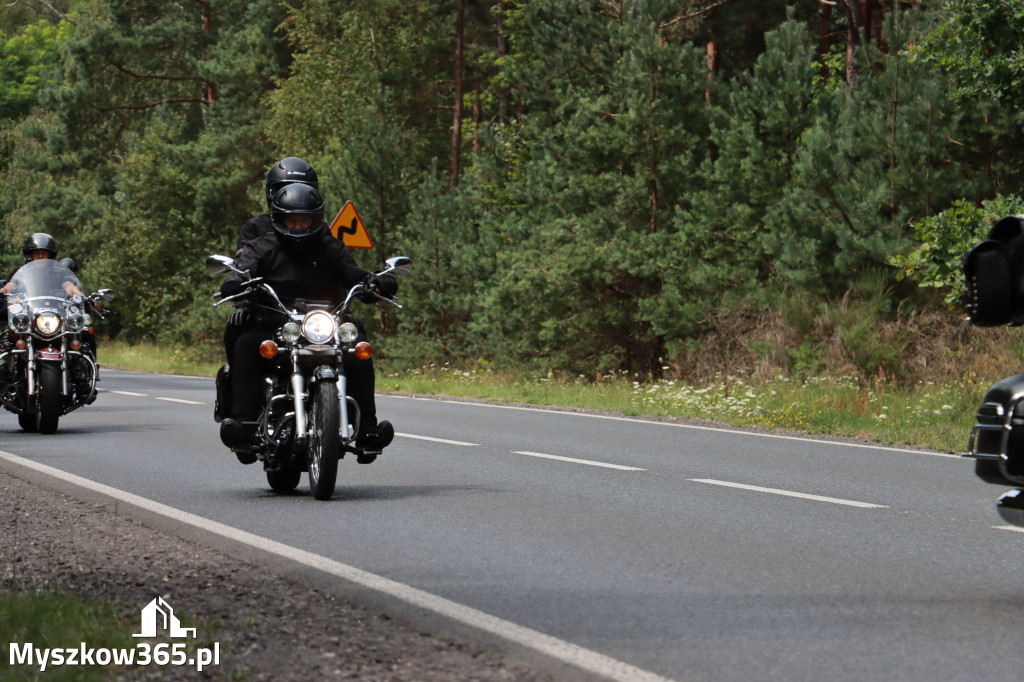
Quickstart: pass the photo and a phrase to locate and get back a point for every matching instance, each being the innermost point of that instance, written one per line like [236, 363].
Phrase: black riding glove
[385, 285]
[239, 316]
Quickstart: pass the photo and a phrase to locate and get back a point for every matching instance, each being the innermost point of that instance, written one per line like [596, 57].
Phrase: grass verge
[151, 357]
[60, 621]
[931, 415]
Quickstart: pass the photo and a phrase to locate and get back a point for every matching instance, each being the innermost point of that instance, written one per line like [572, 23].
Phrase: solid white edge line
[735, 432]
[180, 400]
[566, 652]
[438, 440]
[789, 493]
[1015, 529]
[577, 461]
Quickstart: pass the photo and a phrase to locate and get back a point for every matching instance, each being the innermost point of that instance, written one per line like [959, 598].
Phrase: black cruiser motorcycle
[994, 272]
[47, 365]
[308, 421]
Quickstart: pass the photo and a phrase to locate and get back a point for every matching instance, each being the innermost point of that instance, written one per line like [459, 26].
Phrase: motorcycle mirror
[218, 265]
[106, 294]
[400, 265]
[70, 264]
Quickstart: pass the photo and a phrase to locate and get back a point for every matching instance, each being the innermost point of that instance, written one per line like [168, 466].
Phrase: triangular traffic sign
[349, 227]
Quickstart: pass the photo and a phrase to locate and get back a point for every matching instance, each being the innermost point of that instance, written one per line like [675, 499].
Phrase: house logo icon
[158, 613]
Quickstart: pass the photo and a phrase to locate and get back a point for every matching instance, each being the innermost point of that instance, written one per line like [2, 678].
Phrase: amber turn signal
[364, 350]
[268, 349]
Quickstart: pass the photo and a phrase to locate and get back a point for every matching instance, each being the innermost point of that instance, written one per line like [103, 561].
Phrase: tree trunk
[453, 178]
[504, 98]
[854, 25]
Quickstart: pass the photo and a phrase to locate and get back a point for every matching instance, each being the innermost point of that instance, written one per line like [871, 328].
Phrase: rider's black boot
[232, 433]
[373, 441]
[239, 437]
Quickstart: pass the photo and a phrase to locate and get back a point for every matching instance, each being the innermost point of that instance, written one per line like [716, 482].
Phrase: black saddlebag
[222, 404]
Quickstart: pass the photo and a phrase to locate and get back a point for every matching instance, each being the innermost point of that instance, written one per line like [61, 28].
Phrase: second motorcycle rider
[300, 259]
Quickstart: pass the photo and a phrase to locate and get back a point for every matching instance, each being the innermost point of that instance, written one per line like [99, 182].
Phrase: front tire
[324, 439]
[50, 383]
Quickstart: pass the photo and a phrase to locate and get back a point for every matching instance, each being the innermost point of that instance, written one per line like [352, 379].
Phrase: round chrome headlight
[348, 332]
[291, 332]
[76, 322]
[48, 323]
[20, 322]
[319, 327]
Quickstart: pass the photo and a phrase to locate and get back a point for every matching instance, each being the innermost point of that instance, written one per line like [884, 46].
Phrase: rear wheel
[324, 440]
[285, 480]
[50, 384]
[27, 421]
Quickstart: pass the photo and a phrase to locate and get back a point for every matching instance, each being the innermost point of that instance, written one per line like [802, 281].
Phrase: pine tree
[141, 157]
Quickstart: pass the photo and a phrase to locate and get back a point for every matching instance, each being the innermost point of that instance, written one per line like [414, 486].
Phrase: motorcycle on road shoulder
[994, 274]
[47, 362]
[308, 421]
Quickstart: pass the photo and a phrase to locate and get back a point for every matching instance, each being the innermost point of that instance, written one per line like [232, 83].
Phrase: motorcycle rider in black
[300, 260]
[284, 172]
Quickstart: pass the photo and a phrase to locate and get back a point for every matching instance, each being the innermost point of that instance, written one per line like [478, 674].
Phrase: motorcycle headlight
[75, 322]
[290, 332]
[48, 323]
[348, 332]
[319, 327]
[20, 322]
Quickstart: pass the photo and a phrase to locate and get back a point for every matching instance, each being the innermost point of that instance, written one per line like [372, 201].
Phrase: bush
[945, 238]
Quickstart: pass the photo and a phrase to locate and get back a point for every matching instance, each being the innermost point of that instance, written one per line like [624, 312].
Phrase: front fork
[62, 356]
[345, 401]
[299, 396]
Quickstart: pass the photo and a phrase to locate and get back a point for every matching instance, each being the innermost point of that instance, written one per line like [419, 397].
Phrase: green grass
[60, 621]
[929, 415]
[150, 357]
[934, 416]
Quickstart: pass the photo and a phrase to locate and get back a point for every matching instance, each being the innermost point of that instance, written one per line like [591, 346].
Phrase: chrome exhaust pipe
[1011, 507]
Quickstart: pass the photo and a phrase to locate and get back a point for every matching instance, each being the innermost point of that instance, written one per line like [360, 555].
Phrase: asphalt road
[689, 553]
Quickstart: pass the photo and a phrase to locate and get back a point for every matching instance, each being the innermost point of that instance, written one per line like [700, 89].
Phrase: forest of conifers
[584, 185]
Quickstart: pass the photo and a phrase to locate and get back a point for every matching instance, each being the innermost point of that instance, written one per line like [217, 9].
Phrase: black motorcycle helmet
[294, 200]
[287, 171]
[39, 241]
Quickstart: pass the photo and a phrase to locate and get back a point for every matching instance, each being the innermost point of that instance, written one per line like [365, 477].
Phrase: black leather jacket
[321, 268]
[254, 228]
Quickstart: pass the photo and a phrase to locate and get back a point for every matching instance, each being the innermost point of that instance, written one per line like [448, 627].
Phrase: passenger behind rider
[301, 260]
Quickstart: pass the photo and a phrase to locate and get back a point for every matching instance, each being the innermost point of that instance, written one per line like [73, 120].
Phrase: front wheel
[50, 383]
[324, 440]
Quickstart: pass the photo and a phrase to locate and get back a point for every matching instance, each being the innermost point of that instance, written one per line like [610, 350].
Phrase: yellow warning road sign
[349, 228]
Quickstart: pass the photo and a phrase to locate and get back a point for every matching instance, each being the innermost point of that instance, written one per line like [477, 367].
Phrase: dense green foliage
[584, 185]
